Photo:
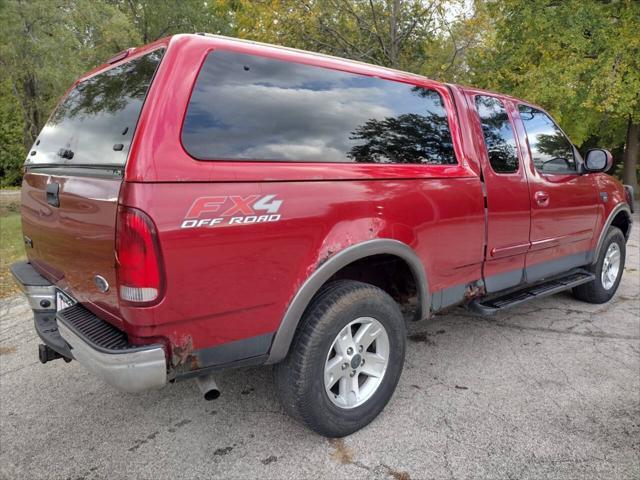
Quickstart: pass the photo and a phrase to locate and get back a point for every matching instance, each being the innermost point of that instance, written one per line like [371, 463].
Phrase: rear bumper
[101, 348]
[131, 370]
[40, 293]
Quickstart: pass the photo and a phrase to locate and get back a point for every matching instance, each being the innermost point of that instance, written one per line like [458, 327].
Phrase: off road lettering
[237, 210]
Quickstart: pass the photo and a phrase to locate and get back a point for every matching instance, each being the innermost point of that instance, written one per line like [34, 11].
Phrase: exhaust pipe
[208, 387]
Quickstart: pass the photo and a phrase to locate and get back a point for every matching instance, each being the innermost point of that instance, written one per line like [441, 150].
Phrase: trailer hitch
[47, 354]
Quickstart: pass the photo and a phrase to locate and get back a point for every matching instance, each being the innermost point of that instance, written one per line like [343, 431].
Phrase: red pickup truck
[204, 203]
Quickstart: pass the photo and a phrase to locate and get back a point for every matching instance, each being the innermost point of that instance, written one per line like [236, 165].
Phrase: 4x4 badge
[238, 210]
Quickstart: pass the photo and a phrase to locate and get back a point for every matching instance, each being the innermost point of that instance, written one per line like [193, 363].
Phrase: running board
[489, 306]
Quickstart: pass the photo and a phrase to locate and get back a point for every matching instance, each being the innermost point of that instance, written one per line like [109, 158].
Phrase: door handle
[542, 199]
[53, 194]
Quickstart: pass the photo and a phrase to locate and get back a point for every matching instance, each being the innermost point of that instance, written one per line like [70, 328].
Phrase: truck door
[507, 192]
[563, 202]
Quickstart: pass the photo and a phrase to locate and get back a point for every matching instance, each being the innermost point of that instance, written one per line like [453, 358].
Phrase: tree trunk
[393, 33]
[631, 154]
[31, 112]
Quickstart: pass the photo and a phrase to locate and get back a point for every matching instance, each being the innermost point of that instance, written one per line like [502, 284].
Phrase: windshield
[94, 124]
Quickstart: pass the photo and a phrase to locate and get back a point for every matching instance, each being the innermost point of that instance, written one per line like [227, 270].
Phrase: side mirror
[598, 160]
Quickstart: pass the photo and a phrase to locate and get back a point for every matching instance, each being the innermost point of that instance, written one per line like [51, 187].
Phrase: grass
[11, 246]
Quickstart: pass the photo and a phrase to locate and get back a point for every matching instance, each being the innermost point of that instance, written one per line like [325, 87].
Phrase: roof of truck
[266, 47]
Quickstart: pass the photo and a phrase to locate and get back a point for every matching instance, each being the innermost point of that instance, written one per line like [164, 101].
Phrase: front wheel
[607, 270]
[345, 360]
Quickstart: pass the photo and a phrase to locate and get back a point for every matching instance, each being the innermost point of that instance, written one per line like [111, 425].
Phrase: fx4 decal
[232, 210]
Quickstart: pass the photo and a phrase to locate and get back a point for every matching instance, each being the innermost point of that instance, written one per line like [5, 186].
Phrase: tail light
[138, 258]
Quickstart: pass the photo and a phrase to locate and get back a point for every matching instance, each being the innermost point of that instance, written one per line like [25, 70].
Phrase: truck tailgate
[72, 243]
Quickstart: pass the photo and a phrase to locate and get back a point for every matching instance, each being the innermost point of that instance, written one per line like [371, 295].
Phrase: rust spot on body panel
[474, 290]
[182, 355]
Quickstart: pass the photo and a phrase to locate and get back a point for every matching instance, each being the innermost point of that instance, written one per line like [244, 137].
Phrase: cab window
[498, 134]
[551, 150]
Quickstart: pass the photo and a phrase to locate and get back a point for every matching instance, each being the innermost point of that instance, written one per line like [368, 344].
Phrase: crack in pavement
[603, 335]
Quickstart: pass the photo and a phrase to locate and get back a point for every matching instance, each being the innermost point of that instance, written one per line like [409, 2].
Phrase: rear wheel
[345, 360]
[607, 270]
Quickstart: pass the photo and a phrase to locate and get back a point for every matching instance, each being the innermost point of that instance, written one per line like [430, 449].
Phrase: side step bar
[491, 305]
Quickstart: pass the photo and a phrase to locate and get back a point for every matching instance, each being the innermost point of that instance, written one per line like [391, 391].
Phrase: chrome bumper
[135, 371]
[128, 367]
[40, 293]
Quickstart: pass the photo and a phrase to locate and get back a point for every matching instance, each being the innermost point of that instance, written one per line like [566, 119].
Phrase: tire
[599, 290]
[302, 376]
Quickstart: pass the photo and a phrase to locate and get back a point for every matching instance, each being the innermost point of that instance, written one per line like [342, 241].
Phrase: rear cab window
[498, 134]
[254, 108]
[551, 150]
[94, 124]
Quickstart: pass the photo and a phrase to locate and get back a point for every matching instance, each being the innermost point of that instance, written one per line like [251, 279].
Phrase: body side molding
[621, 207]
[284, 335]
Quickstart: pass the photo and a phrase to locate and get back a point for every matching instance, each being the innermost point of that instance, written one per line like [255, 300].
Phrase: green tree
[12, 152]
[46, 44]
[578, 58]
[155, 19]
[402, 34]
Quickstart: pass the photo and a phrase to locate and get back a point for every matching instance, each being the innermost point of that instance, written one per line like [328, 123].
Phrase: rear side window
[551, 150]
[246, 107]
[94, 124]
[498, 134]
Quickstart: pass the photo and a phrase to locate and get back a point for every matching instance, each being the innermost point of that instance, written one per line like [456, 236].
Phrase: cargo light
[138, 258]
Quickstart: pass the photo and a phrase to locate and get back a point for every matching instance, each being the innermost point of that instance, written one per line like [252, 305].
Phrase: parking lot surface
[547, 389]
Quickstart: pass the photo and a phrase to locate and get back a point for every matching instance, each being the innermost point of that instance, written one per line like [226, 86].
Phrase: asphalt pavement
[550, 389]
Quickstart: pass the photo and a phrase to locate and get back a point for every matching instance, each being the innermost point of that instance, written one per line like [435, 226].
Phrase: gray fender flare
[621, 207]
[284, 335]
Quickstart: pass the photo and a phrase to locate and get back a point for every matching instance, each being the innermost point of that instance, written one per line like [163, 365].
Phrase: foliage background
[580, 59]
